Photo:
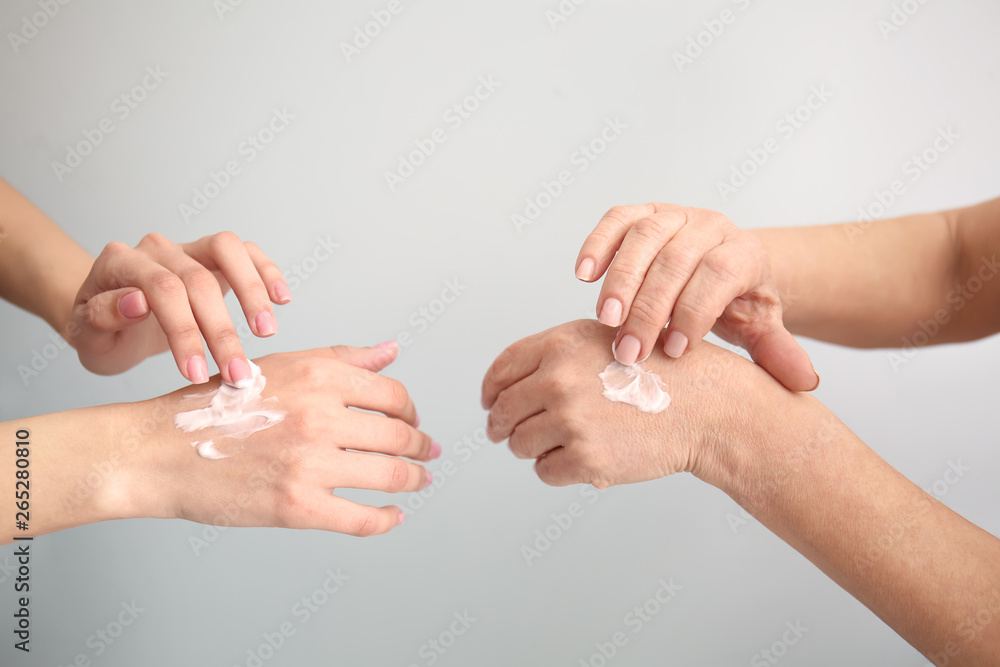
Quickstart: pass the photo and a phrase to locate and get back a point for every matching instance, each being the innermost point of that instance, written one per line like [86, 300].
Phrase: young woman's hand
[698, 271]
[161, 295]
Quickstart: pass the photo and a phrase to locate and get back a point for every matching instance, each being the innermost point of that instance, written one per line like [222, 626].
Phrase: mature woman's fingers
[228, 254]
[601, 245]
[630, 266]
[560, 467]
[514, 405]
[776, 351]
[273, 279]
[371, 391]
[516, 362]
[536, 435]
[375, 433]
[357, 470]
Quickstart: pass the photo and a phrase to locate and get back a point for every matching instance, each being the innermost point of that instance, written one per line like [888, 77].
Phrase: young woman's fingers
[357, 470]
[601, 245]
[647, 313]
[269, 272]
[226, 252]
[326, 511]
[114, 310]
[627, 272]
[374, 359]
[368, 432]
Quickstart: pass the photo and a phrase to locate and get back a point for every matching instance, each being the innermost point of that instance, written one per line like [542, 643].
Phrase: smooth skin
[923, 569]
[133, 303]
[128, 460]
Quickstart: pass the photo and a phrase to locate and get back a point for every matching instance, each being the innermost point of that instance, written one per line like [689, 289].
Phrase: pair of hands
[691, 268]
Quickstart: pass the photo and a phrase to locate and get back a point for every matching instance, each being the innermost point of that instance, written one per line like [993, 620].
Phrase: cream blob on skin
[635, 386]
[232, 412]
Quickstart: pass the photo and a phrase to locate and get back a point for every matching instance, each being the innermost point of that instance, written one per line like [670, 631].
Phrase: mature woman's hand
[697, 270]
[130, 461]
[182, 286]
[544, 394]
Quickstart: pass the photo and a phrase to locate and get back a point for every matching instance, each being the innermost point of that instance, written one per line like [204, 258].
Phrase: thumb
[114, 310]
[370, 358]
[776, 351]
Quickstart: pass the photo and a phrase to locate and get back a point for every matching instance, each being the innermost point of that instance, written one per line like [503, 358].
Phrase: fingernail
[387, 345]
[197, 369]
[817, 382]
[429, 480]
[676, 344]
[133, 304]
[611, 313]
[586, 270]
[628, 350]
[266, 324]
[281, 292]
[239, 373]
[435, 450]
[401, 519]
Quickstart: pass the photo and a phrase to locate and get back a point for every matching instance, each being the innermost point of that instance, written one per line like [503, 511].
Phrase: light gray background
[324, 176]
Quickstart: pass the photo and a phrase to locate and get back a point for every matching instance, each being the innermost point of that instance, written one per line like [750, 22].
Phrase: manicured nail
[266, 324]
[675, 345]
[611, 313]
[239, 373]
[628, 350]
[586, 270]
[133, 304]
[435, 450]
[197, 369]
[429, 480]
[387, 345]
[816, 386]
[281, 292]
[401, 519]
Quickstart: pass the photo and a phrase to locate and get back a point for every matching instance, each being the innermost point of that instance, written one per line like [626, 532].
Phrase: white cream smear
[635, 386]
[232, 412]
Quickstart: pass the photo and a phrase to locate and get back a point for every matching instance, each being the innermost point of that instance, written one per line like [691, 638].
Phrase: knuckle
[167, 283]
[154, 240]
[226, 336]
[398, 438]
[724, 268]
[397, 476]
[186, 329]
[224, 241]
[396, 394]
[647, 312]
[364, 524]
[200, 279]
[308, 425]
[504, 364]
[650, 229]
[115, 249]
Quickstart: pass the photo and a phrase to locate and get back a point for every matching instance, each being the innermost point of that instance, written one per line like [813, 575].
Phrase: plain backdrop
[322, 180]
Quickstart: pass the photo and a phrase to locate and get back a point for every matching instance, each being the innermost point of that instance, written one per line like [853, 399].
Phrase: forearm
[74, 470]
[922, 568]
[41, 268]
[872, 284]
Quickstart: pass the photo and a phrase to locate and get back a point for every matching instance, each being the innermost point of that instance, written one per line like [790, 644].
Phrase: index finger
[602, 244]
[513, 364]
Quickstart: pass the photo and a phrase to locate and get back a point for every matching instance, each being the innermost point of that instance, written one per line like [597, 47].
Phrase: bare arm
[872, 284]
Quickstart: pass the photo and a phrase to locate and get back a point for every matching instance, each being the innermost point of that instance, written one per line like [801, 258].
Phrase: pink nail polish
[675, 344]
[197, 369]
[266, 324]
[628, 350]
[387, 345]
[586, 270]
[401, 519]
[611, 313]
[435, 450]
[239, 373]
[429, 480]
[133, 304]
[281, 292]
